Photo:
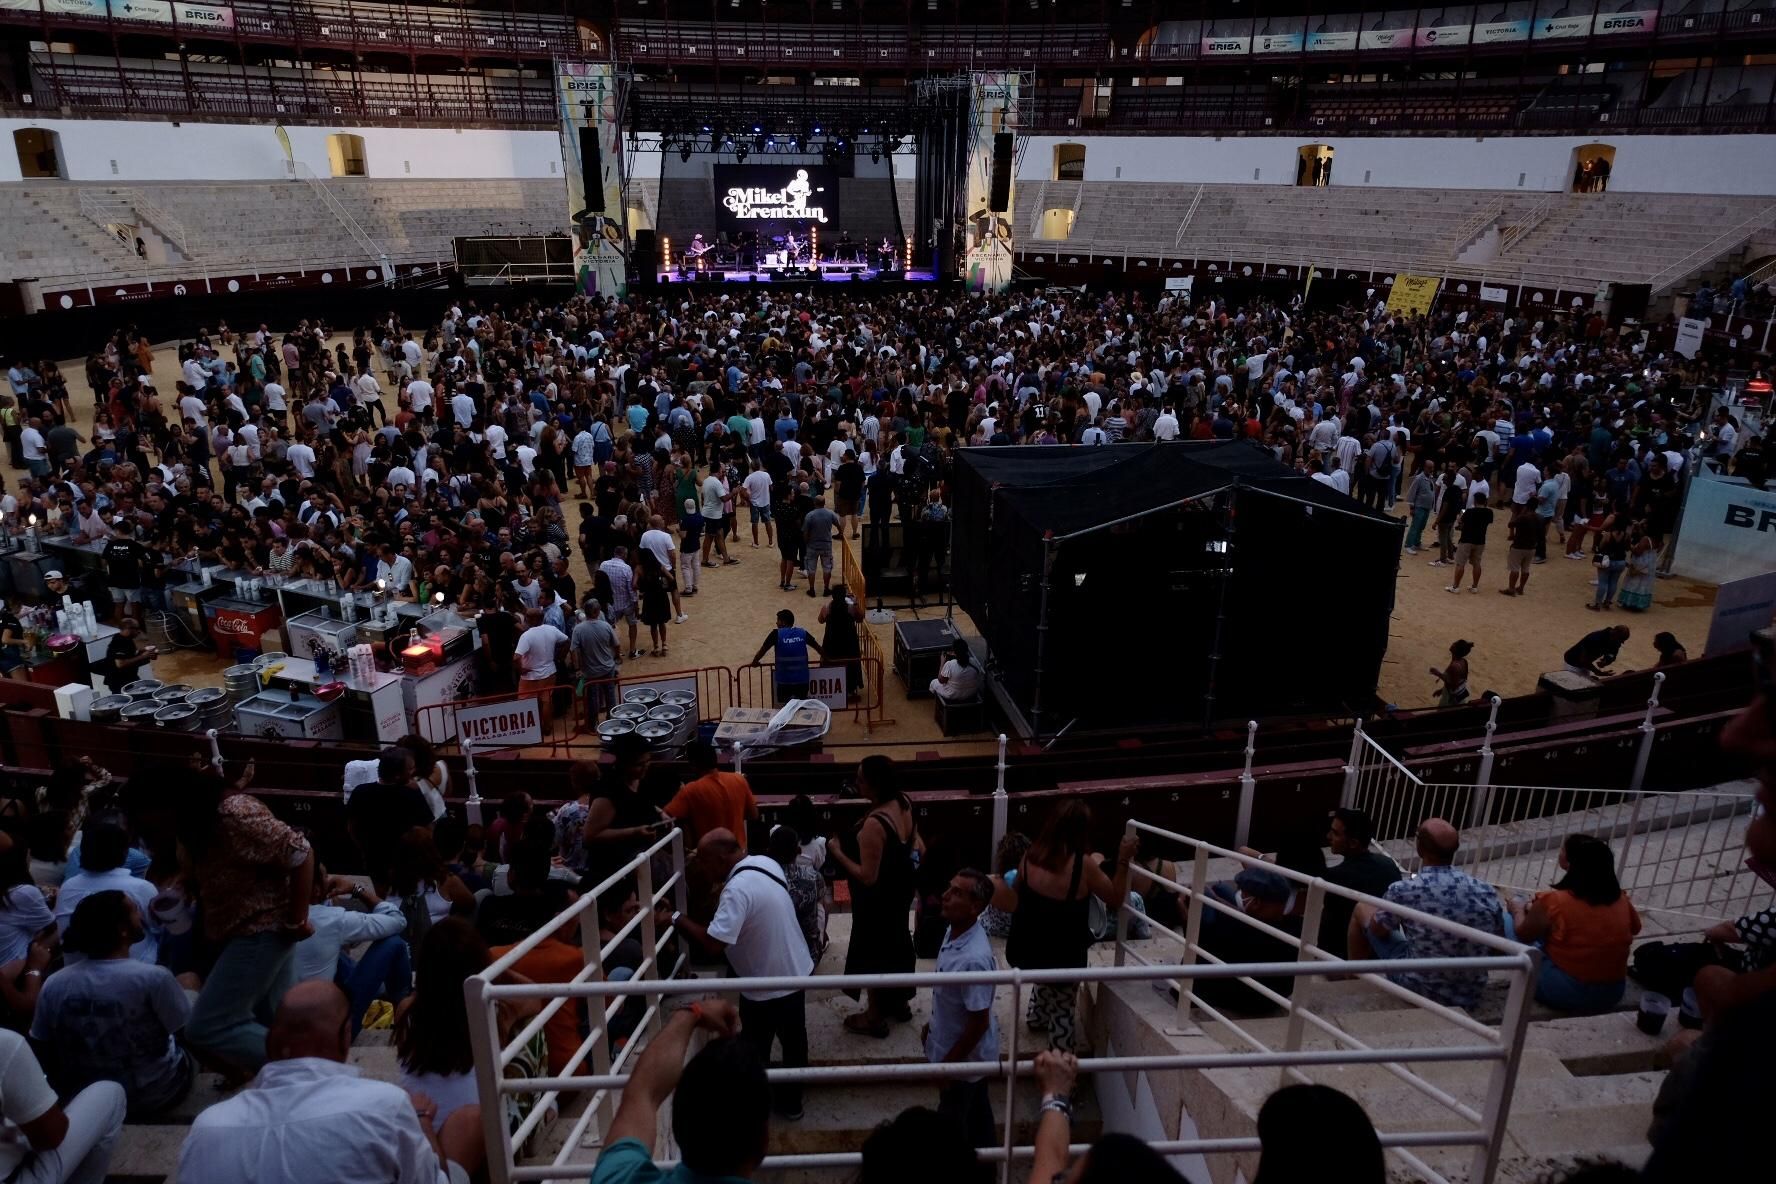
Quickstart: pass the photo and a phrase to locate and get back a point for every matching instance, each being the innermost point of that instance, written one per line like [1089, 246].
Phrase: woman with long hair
[840, 642]
[1050, 910]
[1585, 924]
[1453, 691]
[431, 1031]
[879, 859]
[423, 884]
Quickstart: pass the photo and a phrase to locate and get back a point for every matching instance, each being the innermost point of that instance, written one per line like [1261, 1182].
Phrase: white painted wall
[146, 151]
[1644, 164]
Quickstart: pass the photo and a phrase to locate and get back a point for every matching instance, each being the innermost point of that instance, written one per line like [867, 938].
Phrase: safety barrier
[1481, 1129]
[1679, 854]
[755, 686]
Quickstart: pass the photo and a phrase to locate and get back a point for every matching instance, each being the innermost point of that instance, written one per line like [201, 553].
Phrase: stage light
[684, 152]
[817, 129]
[666, 252]
[740, 153]
[1216, 546]
[907, 262]
[756, 128]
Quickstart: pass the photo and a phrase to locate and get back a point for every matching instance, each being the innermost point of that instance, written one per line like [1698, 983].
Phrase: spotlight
[740, 153]
[817, 129]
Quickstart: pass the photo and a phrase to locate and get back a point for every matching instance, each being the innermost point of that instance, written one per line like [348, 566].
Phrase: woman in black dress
[654, 586]
[621, 817]
[1050, 902]
[840, 642]
[879, 858]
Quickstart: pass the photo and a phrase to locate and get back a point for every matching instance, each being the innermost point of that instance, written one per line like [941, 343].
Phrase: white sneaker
[680, 619]
[1452, 588]
[1411, 550]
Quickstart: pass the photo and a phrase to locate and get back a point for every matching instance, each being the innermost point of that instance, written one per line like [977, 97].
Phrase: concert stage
[831, 273]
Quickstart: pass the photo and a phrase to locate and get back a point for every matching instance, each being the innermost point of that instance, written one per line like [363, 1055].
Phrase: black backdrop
[1149, 619]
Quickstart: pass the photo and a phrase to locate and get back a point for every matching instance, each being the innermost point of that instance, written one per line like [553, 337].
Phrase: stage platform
[831, 273]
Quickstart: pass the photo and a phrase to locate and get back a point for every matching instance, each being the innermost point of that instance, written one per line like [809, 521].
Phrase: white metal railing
[1475, 226]
[1184, 224]
[1477, 1127]
[1514, 234]
[371, 248]
[1712, 250]
[1500, 1044]
[163, 221]
[1679, 854]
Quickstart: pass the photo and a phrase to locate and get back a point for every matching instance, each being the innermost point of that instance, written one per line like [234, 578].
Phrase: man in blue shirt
[962, 1026]
[792, 645]
[721, 1105]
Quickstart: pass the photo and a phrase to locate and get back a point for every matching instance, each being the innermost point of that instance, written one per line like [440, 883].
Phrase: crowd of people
[438, 461]
[145, 939]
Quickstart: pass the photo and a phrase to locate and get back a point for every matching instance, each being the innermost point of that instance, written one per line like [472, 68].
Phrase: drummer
[124, 656]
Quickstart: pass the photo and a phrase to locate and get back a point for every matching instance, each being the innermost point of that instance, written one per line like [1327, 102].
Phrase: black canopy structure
[1178, 583]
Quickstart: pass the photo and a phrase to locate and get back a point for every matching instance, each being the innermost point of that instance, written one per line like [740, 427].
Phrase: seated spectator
[431, 1033]
[1299, 1125]
[45, 1143]
[1739, 975]
[617, 906]
[958, 679]
[920, 1143]
[106, 845]
[558, 958]
[535, 896]
[24, 913]
[425, 887]
[1442, 891]
[309, 1116]
[1585, 924]
[1361, 868]
[1113, 1159]
[721, 1105]
[112, 1017]
[384, 970]
[1265, 896]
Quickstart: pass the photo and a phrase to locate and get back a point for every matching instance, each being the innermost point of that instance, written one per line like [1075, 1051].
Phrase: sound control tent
[1179, 583]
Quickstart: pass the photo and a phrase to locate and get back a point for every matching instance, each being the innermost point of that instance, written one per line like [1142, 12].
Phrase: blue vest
[792, 655]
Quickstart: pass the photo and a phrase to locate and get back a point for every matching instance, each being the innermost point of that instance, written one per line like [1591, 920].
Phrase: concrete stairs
[1584, 1090]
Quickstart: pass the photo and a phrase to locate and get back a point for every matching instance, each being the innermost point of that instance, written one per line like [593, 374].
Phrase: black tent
[1187, 582]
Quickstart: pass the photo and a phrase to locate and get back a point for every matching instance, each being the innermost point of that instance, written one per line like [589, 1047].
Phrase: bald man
[1442, 891]
[755, 925]
[309, 1116]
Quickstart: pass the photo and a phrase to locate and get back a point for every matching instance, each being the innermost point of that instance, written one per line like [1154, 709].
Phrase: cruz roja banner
[1728, 530]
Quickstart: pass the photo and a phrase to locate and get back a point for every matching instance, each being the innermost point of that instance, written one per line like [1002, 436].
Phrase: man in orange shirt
[712, 800]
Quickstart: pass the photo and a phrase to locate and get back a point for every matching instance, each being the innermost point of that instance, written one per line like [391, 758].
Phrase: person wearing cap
[1266, 896]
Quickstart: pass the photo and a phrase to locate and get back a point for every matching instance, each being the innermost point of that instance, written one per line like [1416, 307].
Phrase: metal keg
[108, 709]
[610, 729]
[684, 699]
[143, 688]
[646, 696]
[629, 711]
[214, 708]
[178, 717]
[173, 692]
[140, 711]
[657, 732]
[241, 682]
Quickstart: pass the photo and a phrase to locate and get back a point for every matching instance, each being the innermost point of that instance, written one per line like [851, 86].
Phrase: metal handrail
[1184, 225]
[1475, 226]
[1709, 252]
[1501, 1048]
[1532, 218]
[371, 248]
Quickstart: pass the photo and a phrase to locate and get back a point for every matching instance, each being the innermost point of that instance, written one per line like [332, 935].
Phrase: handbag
[1669, 967]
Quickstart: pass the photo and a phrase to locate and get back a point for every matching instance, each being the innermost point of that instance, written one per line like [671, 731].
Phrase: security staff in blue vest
[791, 645]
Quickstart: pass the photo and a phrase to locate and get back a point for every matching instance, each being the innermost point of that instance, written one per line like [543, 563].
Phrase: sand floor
[1516, 638]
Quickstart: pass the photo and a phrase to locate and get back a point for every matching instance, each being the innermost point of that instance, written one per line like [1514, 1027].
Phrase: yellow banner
[1412, 294]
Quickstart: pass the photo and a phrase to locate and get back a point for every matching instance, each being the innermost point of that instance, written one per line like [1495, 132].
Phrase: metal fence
[1679, 854]
[595, 1075]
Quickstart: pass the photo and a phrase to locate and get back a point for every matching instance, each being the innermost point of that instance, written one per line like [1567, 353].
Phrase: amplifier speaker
[645, 255]
[592, 169]
[1000, 196]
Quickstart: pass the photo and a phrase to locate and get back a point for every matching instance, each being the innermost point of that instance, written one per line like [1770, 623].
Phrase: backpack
[1669, 967]
[417, 916]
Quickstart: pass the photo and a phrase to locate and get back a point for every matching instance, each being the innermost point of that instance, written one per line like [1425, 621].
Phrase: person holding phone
[621, 816]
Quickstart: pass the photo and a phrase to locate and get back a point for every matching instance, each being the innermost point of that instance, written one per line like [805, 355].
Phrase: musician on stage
[885, 253]
[793, 246]
[847, 251]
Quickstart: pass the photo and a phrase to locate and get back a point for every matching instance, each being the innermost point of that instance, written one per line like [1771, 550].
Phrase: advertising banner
[1412, 294]
[1494, 32]
[1384, 38]
[587, 94]
[1224, 47]
[1554, 27]
[776, 198]
[1728, 531]
[1741, 608]
[1614, 23]
[513, 723]
[1689, 336]
[989, 241]
[827, 684]
[1332, 42]
[1442, 36]
[1277, 43]
[1495, 295]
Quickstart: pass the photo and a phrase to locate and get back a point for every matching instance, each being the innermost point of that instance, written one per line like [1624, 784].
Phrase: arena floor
[1516, 639]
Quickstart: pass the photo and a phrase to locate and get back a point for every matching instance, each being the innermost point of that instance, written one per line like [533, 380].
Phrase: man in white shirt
[274, 400]
[193, 408]
[755, 926]
[1166, 426]
[656, 539]
[1529, 477]
[35, 448]
[419, 393]
[302, 459]
[43, 1143]
[462, 407]
[104, 850]
[538, 648]
[369, 393]
[959, 679]
[309, 1116]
